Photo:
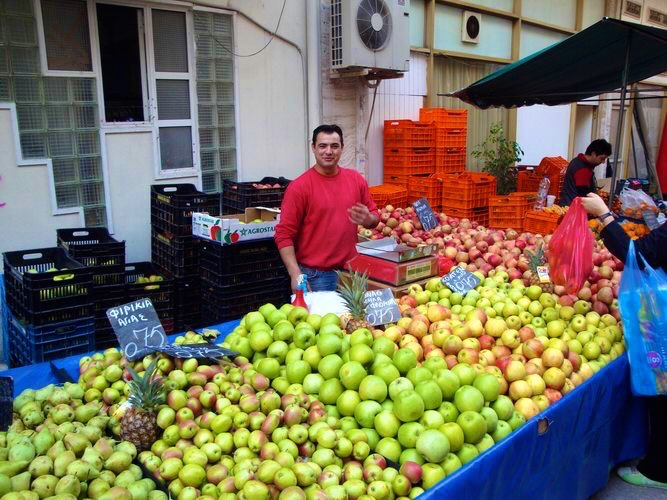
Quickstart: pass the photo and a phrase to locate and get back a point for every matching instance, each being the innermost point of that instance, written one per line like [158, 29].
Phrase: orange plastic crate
[479, 215]
[509, 211]
[389, 194]
[450, 160]
[407, 161]
[397, 180]
[530, 182]
[427, 186]
[551, 165]
[408, 134]
[539, 222]
[450, 138]
[467, 190]
[443, 117]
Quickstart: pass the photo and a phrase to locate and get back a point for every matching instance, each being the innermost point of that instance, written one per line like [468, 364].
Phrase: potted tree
[498, 156]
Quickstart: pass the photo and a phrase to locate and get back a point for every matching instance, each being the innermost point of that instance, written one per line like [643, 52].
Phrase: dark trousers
[654, 464]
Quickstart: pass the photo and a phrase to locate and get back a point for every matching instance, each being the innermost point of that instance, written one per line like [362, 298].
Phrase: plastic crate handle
[81, 233]
[32, 256]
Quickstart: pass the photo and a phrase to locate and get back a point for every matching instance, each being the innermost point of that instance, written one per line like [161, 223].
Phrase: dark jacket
[653, 246]
[570, 190]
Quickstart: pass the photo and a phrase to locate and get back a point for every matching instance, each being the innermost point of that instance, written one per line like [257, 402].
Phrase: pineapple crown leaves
[351, 288]
[535, 258]
[146, 392]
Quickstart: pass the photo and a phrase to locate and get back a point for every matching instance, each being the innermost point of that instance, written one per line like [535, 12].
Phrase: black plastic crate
[265, 273]
[177, 254]
[237, 196]
[38, 296]
[172, 206]
[29, 345]
[159, 292]
[187, 303]
[95, 248]
[240, 257]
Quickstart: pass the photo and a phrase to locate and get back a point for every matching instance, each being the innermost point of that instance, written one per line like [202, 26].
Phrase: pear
[64, 428]
[118, 462]
[55, 450]
[148, 483]
[75, 391]
[108, 477]
[68, 484]
[45, 486]
[136, 470]
[62, 413]
[104, 446]
[125, 479]
[42, 441]
[62, 461]
[33, 418]
[13, 495]
[93, 457]
[62, 496]
[44, 393]
[5, 484]
[82, 470]
[138, 491]
[12, 468]
[29, 406]
[21, 482]
[21, 400]
[17, 426]
[157, 495]
[76, 442]
[97, 487]
[59, 396]
[3, 439]
[99, 421]
[4, 453]
[128, 448]
[116, 493]
[85, 412]
[40, 466]
[21, 451]
[91, 432]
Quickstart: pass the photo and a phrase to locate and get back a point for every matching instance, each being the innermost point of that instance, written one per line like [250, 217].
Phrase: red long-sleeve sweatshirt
[314, 218]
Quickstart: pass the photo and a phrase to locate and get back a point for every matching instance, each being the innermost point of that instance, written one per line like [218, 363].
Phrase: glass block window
[215, 93]
[66, 35]
[58, 117]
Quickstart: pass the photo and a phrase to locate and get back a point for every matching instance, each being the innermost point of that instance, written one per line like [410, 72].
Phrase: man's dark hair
[599, 147]
[327, 129]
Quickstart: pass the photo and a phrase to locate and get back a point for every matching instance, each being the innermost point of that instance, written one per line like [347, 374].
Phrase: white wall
[26, 219]
[543, 131]
[583, 128]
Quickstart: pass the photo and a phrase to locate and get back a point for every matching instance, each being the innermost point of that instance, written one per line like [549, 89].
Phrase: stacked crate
[540, 222]
[552, 167]
[451, 128]
[427, 186]
[145, 280]
[510, 211]
[239, 278]
[50, 310]
[237, 196]
[173, 248]
[408, 149]
[389, 194]
[105, 256]
[466, 195]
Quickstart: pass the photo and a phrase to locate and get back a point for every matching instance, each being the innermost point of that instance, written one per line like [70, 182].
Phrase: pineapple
[534, 260]
[352, 289]
[138, 425]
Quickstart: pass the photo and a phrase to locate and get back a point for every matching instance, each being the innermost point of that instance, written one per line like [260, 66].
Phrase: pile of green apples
[56, 447]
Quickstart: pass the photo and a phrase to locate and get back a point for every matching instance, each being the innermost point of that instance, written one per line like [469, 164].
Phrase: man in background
[579, 177]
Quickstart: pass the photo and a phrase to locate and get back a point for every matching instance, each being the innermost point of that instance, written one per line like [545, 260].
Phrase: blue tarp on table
[590, 430]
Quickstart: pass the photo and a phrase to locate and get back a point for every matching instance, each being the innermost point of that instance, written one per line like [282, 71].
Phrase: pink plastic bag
[570, 250]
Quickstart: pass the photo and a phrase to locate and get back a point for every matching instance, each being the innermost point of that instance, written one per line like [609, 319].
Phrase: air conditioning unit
[371, 34]
[471, 26]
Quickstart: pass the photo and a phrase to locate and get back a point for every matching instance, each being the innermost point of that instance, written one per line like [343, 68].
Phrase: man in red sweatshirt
[579, 177]
[321, 209]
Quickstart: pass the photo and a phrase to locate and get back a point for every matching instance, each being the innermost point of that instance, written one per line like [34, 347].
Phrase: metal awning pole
[617, 144]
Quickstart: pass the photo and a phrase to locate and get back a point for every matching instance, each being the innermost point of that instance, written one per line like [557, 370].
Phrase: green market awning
[584, 65]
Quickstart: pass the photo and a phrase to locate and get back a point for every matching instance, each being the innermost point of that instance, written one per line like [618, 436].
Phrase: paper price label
[543, 274]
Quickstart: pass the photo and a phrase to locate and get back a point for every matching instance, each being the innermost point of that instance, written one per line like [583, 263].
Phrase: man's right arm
[289, 259]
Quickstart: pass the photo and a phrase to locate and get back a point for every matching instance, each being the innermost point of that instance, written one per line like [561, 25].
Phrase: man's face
[327, 150]
[599, 158]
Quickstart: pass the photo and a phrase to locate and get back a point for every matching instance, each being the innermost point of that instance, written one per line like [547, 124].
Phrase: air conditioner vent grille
[336, 33]
[374, 23]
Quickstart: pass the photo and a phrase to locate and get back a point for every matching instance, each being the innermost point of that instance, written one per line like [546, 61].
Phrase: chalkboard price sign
[137, 327]
[381, 307]
[198, 351]
[425, 214]
[460, 280]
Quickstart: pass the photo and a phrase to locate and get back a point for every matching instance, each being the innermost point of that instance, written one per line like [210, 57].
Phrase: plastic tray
[171, 213]
[224, 303]
[479, 215]
[450, 160]
[177, 254]
[443, 117]
[95, 248]
[407, 161]
[159, 292]
[427, 186]
[467, 190]
[407, 133]
[41, 297]
[389, 194]
[240, 258]
[237, 196]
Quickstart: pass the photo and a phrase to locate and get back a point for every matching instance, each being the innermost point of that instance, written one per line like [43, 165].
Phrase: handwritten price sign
[138, 328]
[460, 280]
[198, 351]
[381, 307]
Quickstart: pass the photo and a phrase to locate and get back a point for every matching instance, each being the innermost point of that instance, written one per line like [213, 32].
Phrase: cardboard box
[388, 249]
[394, 273]
[231, 229]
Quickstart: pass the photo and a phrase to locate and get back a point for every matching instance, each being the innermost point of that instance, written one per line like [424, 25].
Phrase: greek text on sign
[199, 351]
[381, 307]
[425, 214]
[460, 280]
[137, 327]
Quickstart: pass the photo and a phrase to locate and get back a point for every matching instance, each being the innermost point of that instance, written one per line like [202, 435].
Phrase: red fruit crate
[509, 211]
[450, 138]
[551, 165]
[427, 186]
[467, 190]
[408, 134]
[407, 161]
[443, 117]
[479, 215]
[539, 222]
[389, 194]
[450, 160]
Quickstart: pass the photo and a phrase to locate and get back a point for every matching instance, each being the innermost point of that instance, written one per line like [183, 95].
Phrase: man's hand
[593, 204]
[359, 214]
